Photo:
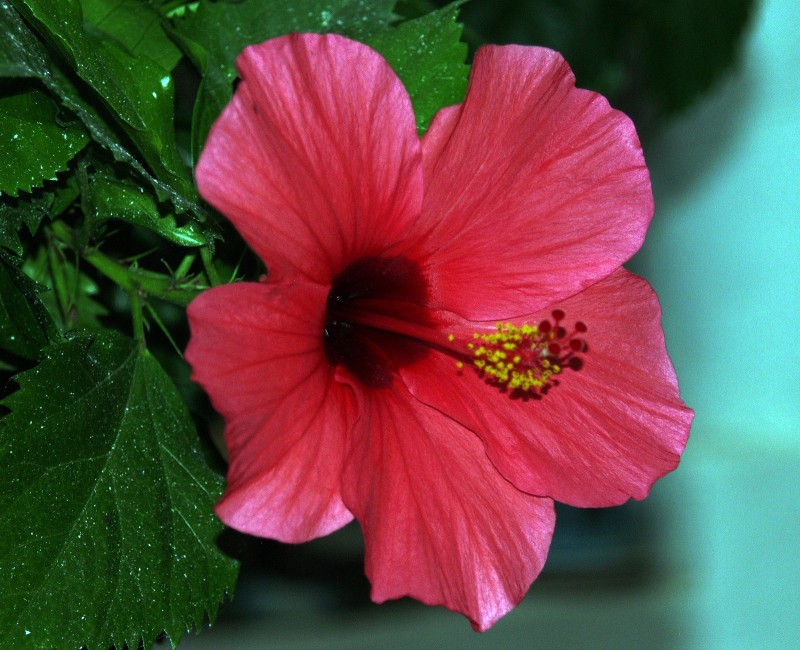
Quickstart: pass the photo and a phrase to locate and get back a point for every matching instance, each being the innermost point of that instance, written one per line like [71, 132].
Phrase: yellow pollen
[525, 358]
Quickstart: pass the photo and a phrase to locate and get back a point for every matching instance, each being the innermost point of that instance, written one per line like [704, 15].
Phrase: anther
[527, 359]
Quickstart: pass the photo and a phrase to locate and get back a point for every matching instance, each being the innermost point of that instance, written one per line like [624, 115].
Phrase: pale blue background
[723, 254]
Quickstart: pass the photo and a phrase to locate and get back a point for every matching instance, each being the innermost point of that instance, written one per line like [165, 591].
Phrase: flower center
[527, 359]
[374, 315]
[377, 322]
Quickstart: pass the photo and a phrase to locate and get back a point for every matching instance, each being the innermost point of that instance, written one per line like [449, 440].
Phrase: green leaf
[37, 146]
[107, 534]
[29, 210]
[70, 294]
[14, 213]
[138, 91]
[217, 32]
[428, 56]
[135, 25]
[20, 55]
[426, 53]
[24, 55]
[25, 324]
[109, 197]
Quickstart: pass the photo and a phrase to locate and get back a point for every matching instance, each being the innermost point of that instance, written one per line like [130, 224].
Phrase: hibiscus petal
[607, 432]
[534, 189]
[316, 160]
[440, 523]
[257, 351]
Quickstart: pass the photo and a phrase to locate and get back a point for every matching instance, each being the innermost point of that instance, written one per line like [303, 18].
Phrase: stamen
[376, 321]
[528, 358]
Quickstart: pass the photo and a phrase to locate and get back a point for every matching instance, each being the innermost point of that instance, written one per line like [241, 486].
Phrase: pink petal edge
[605, 433]
[256, 351]
[316, 160]
[534, 189]
[440, 523]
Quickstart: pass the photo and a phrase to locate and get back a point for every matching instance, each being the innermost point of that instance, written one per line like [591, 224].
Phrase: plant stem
[208, 264]
[57, 281]
[133, 279]
[154, 315]
[136, 313]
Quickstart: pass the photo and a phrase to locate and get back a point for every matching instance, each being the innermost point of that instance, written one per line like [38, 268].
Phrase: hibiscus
[445, 342]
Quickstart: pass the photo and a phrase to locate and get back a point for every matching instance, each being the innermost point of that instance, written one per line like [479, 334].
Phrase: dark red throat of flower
[376, 322]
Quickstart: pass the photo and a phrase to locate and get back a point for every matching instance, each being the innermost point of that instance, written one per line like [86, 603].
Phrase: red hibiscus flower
[446, 341]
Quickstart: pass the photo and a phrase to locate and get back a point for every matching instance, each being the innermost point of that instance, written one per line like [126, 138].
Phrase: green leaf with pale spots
[29, 210]
[217, 32]
[107, 534]
[426, 52]
[109, 197]
[23, 54]
[137, 90]
[25, 324]
[136, 25]
[36, 147]
[428, 56]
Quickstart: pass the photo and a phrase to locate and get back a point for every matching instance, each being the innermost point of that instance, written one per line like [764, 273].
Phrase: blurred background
[710, 560]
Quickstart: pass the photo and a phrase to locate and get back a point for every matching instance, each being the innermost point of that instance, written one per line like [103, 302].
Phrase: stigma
[527, 359]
